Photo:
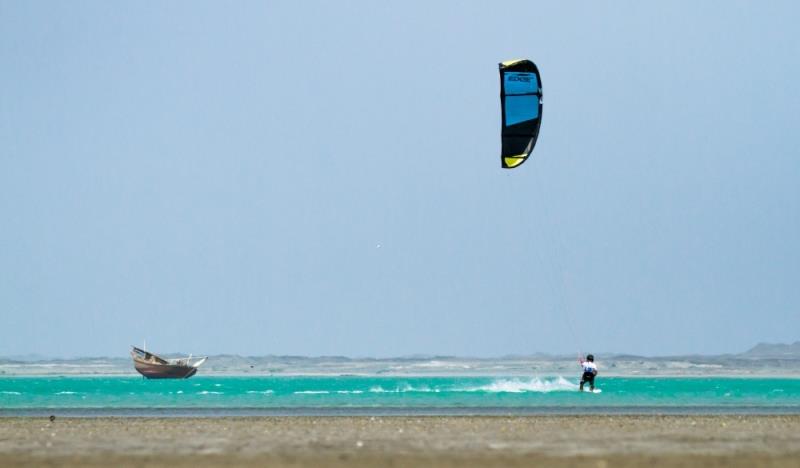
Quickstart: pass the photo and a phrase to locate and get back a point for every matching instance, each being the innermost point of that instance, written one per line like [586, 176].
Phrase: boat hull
[164, 371]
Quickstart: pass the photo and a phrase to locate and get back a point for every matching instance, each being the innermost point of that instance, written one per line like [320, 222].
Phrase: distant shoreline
[762, 361]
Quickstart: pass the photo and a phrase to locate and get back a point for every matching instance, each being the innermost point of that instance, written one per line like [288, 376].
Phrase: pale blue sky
[217, 177]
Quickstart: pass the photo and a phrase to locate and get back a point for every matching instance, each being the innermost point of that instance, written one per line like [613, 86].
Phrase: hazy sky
[324, 178]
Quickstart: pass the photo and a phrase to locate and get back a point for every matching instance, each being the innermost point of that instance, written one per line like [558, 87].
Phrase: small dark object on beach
[52, 418]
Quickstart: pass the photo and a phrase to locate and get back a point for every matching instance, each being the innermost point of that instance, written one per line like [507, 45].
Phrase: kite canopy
[521, 100]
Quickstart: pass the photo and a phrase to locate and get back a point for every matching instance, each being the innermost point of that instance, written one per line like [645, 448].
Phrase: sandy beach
[403, 441]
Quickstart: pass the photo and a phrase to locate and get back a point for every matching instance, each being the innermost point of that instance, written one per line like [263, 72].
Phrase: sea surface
[356, 395]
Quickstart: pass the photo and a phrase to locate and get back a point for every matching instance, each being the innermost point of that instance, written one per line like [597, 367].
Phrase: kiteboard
[596, 390]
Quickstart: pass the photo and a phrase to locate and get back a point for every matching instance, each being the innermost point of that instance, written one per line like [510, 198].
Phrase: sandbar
[426, 441]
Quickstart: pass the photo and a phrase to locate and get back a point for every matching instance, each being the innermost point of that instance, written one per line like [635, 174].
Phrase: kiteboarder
[589, 371]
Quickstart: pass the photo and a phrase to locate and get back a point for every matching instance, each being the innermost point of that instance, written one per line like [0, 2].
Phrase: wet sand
[560, 441]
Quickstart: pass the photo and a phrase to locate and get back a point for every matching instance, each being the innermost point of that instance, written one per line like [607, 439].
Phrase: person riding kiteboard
[589, 371]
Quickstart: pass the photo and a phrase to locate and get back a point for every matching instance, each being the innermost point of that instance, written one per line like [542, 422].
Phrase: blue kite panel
[520, 83]
[521, 108]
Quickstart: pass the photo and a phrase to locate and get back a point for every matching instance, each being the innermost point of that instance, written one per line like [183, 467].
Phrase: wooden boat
[153, 366]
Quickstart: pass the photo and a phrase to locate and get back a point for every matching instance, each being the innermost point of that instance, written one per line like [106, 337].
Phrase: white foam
[10, 393]
[262, 392]
[440, 365]
[350, 391]
[405, 388]
[434, 364]
[379, 389]
[536, 385]
[66, 393]
[206, 392]
[312, 392]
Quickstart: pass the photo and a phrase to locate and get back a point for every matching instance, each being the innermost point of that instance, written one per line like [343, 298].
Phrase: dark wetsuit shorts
[588, 377]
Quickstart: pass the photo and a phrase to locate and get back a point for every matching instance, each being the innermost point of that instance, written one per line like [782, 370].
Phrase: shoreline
[396, 412]
[616, 440]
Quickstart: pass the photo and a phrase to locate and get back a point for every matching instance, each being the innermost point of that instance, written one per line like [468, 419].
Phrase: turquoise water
[204, 396]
